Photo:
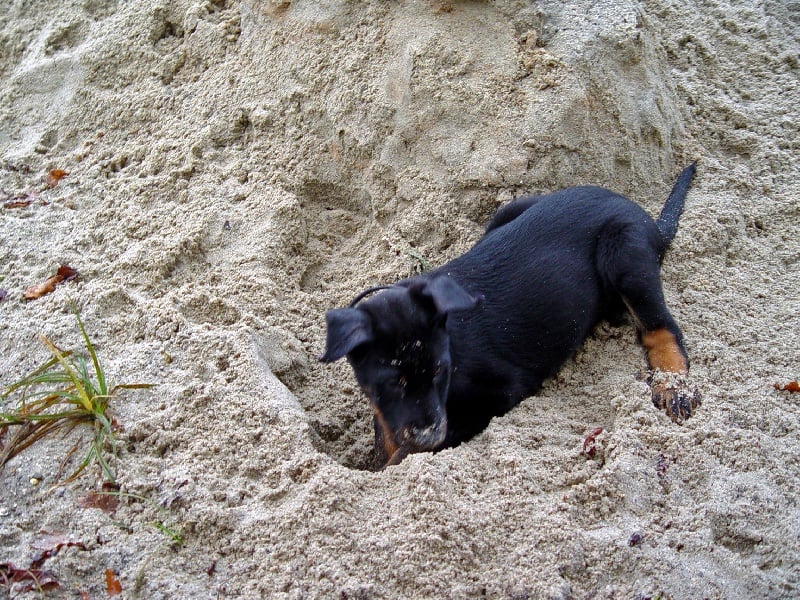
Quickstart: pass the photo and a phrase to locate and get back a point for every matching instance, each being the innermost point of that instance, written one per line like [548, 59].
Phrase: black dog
[442, 353]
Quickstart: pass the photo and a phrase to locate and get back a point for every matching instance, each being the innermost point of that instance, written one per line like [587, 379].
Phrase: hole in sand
[338, 413]
[331, 218]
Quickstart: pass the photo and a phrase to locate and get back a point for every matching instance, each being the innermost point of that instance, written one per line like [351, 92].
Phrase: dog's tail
[667, 222]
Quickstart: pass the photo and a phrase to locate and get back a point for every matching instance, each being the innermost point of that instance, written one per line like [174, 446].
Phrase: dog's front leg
[385, 446]
[387, 453]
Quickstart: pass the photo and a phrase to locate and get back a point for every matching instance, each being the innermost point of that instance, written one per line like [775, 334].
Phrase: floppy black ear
[347, 328]
[447, 295]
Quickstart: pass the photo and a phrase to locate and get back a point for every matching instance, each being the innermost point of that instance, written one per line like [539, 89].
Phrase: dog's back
[667, 222]
[544, 286]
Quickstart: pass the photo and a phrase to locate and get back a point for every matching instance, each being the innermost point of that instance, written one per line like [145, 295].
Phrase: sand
[236, 168]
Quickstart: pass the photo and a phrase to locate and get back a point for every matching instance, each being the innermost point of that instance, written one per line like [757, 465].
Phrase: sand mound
[238, 167]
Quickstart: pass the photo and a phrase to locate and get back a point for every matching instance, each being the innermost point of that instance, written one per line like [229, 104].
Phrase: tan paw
[673, 394]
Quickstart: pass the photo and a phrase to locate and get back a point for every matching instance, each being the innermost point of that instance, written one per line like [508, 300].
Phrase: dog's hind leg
[632, 269]
[509, 212]
[663, 344]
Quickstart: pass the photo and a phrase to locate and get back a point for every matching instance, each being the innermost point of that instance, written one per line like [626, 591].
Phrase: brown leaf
[20, 581]
[106, 500]
[64, 273]
[54, 176]
[20, 200]
[792, 386]
[113, 586]
[589, 446]
[17, 203]
[49, 546]
[50, 540]
[37, 291]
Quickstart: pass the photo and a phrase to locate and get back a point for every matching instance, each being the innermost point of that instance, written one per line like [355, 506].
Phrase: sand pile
[237, 168]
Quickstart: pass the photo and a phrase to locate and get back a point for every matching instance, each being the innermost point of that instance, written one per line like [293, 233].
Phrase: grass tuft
[66, 391]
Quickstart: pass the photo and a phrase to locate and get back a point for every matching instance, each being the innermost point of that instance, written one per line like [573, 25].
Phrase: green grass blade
[170, 532]
[98, 371]
[69, 370]
[47, 379]
[11, 419]
[101, 460]
[175, 536]
[87, 460]
[131, 386]
[33, 375]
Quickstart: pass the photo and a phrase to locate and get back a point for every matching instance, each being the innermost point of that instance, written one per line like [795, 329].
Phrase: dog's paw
[673, 394]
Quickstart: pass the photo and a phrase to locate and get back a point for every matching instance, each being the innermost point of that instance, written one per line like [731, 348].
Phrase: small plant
[107, 499]
[61, 394]
[421, 265]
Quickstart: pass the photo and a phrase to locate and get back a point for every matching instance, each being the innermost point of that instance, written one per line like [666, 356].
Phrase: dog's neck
[369, 291]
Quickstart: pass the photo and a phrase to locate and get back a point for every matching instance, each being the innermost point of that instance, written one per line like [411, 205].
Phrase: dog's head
[397, 343]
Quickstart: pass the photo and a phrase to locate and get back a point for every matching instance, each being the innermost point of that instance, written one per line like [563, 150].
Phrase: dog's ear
[447, 295]
[347, 328]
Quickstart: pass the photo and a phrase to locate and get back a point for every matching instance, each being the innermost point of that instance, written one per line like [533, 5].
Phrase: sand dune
[235, 168]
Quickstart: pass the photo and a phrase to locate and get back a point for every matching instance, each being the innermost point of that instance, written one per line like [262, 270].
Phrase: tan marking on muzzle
[387, 435]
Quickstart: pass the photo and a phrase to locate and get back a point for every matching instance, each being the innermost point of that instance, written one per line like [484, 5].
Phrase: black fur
[442, 353]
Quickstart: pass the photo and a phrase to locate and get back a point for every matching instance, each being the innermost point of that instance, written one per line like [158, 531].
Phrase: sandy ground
[238, 167]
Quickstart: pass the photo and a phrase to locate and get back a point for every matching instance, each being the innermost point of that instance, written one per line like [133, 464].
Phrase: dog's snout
[426, 437]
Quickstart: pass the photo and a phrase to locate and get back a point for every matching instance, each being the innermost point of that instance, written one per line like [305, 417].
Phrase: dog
[441, 353]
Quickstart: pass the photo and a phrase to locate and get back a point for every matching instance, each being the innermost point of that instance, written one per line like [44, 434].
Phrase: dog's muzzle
[423, 438]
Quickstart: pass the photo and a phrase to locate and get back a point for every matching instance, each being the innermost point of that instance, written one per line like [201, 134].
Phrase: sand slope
[237, 168]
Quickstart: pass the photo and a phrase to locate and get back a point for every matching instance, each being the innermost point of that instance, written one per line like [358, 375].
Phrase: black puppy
[442, 353]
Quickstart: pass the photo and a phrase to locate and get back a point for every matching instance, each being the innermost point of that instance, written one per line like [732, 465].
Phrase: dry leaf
[17, 203]
[37, 291]
[113, 586]
[792, 386]
[20, 200]
[54, 176]
[20, 581]
[65, 273]
[106, 500]
[589, 445]
[50, 545]
[53, 541]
